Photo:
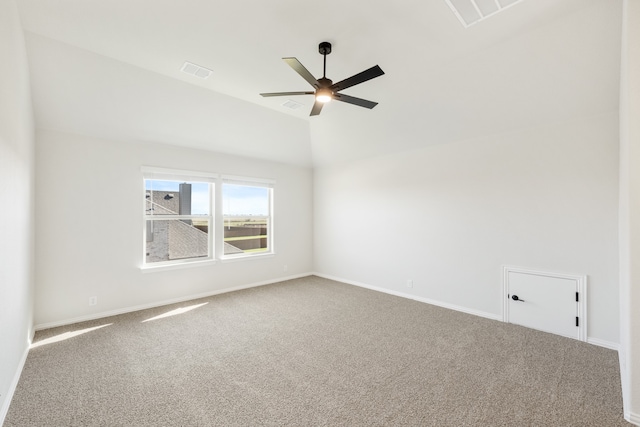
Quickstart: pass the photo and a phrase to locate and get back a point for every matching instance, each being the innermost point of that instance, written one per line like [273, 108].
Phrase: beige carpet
[313, 352]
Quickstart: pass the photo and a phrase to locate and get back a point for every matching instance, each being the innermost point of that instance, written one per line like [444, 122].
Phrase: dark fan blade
[317, 107]
[369, 74]
[355, 101]
[286, 93]
[299, 68]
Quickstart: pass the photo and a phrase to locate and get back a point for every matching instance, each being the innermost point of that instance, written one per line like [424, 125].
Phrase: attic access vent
[292, 104]
[196, 70]
[470, 12]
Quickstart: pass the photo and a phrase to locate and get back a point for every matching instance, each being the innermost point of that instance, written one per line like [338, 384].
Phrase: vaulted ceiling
[112, 69]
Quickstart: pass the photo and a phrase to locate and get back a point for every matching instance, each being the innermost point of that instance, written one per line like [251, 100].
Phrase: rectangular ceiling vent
[470, 12]
[196, 70]
[292, 104]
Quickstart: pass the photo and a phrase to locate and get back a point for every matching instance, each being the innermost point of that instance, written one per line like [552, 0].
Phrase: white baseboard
[602, 343]
[4, 410]
[413, 297]
[164, 302]
[632, 418]
[594, 341]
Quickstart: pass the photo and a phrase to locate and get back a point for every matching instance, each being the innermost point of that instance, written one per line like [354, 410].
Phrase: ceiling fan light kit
[324, 95]
[325, 89]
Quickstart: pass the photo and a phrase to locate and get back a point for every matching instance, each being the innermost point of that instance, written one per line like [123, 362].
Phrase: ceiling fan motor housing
[325, 82]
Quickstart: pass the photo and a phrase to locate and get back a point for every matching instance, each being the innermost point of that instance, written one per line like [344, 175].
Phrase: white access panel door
[549, 302]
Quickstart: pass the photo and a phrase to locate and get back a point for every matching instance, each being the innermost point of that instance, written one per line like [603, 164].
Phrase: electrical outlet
[93, 300]
[285, 268]
[409, 283]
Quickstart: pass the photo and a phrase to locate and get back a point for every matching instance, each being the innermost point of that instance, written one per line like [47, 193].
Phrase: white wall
[450, 216]
[16, 198]
[85, 93]
[630, 211]
[90, 227]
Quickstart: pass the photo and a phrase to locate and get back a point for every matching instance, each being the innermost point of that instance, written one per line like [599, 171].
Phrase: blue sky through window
[243, 200]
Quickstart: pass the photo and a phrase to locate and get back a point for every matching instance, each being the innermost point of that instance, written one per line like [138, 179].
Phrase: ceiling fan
[325, 89]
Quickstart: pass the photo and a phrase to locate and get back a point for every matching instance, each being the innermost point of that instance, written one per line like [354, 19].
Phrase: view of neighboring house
[171, 239]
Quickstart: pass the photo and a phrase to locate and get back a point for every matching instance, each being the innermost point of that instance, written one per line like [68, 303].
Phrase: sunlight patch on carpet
[175, 312]
[66, 336]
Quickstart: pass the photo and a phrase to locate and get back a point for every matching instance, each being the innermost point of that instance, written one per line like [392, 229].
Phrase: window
[178, 218]
[180, 214]
[247, 217]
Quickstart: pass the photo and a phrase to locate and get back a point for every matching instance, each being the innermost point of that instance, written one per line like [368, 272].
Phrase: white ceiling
[112, 69]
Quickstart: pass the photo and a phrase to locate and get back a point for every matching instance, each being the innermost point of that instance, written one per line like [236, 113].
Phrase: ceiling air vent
[470, 12]
[196, 70]
[292, 104]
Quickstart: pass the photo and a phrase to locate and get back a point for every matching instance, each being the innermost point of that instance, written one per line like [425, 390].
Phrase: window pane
[176, 198]
[176, 239]
[243, 200]
[245, 235]
[246, 219]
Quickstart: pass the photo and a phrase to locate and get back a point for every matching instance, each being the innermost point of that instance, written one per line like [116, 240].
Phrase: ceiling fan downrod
[325, 49]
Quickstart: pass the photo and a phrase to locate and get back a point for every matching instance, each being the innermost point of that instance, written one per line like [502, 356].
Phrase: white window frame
[251, 182]
[215, 217]
[162, 174]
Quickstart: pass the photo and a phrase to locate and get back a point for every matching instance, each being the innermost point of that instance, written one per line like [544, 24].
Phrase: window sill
[209, 262]
[246, 257]
[177, 266]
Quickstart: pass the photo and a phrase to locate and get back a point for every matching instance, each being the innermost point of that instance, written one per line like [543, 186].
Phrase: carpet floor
[312, 352]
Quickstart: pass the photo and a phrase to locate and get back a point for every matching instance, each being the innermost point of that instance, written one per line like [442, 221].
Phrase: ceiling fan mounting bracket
[324, 48]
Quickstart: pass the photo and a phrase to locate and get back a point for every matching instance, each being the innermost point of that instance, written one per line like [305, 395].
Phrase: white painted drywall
[630, 211]
[81, 92]
[564, 68]
[16, 197]
[450, 216]
[90, 227]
